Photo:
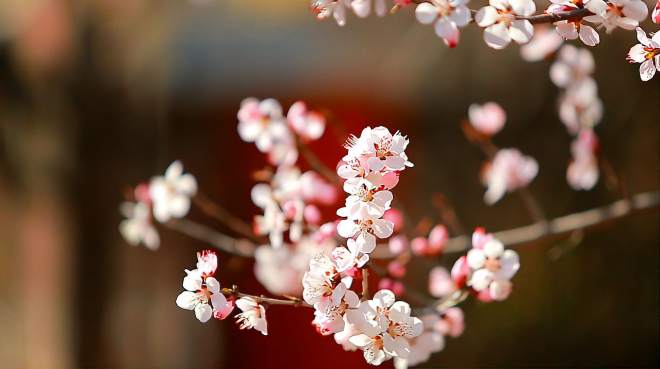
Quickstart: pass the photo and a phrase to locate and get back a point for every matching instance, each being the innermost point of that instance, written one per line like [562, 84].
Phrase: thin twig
[226, 218]
[222, 242]
[365, 284]
[295, 302]
[557, 227]
[541, 18]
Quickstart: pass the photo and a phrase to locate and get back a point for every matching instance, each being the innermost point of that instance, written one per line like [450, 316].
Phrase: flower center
[493, 265]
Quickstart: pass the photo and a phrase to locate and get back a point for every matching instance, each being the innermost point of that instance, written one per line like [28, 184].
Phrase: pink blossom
[499, 19]
[452, 323]
[396, 217]
[440, 282]
[655, 17]
[438, 238]
[582, 173]
[508, 171]
[447, 16]
[396, 269]
[307, 124]
[488, 118]
[544, 43]
[398, 244]
[460, 272]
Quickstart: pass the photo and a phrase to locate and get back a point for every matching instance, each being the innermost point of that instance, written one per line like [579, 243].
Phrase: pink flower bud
[396, 269]
[398, 288]
[398, 244]
[394, 216]
[312, 214]
[420, 246]
[438, 238]
[460, 272]
[385, 284]
[440, 282]
[142, 193]
[290, 209]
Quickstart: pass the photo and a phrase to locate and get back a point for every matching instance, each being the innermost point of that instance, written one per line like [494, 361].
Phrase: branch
[222, 242]
[557, 227]
[291, 301]
[222, 215]
[365, 283]
[541, 18]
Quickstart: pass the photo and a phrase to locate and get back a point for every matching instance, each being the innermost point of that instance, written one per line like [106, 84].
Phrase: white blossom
[447, 16]
[508, 171]
[137, 228]
[646, 52]
[171, 193]
[253, 315]
[501, 23]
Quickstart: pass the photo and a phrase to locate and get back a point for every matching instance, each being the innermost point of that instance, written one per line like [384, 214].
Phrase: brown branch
[557, 227]
[365, 284]
[226, 218]
[575, 14]
[294, 301]
[222, 242]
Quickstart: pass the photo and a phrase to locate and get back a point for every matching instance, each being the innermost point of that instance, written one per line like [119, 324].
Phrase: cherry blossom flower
[137, 228]
[381, 149]
[362, 8]
[368, 227]
[171, 193]
[647, 52]
[571, 66]
[582, 172]
[452, 322]
[488, 118]
[544, 43]
[281, 270]
[336, 8]
[447, 16]
[307, 124]
[501, 23]
[624, 14]
[655, 17]
[492, 268]
[253, 315]
[580, 107]
[202, 291]
[365, 199]
[398, 244]
[262, 122]
[355, 254]
[386, 326]
[508, 171]
[329, 313]
[343, 337]
[440, 282]
[320, 281]
[574, 28]
[428, 342]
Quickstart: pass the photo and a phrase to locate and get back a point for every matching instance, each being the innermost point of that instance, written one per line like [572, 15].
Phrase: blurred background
[99, 95]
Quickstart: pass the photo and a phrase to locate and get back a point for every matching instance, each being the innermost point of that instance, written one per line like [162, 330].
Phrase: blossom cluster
[508, 169]
[204, 296]
[163, 198]
[290, 200]
[487, 268]
[510, 20]
[580, 109]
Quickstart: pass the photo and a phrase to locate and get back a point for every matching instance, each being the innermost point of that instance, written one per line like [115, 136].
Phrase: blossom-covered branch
[560, 226]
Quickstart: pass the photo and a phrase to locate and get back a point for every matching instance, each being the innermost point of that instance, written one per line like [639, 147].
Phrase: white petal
[493, 248]
[647, 70]
[476, 258]
[382, 228]
[347, 228]
[486, 16]
[461, 16]
[174, 171]
[213, 285]
[523, 7]
[385, 298]
[192, 281]
[360, 340]
[497, 36]
[426, 13]
[249, 130]
[447, 30]
[521, 31]
[510, 263]
[203, 312]
[187, 184]
[589, 36]
[186, 300]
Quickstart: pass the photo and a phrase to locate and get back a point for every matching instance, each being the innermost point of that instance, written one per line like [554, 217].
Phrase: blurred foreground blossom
[508, 171]
[488, 118]
[171, 193]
